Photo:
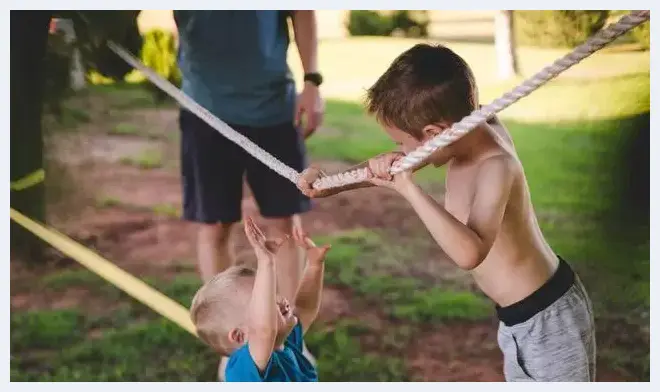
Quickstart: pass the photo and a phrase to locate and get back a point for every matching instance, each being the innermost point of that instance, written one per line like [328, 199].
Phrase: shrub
[567, 28]
[410, 23]
[120, 26]
[640, 34]
[159, 53]
[382, 23]
[365, 22]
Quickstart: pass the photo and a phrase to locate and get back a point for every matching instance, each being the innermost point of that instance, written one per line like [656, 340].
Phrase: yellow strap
[31, 179]
[107, 270]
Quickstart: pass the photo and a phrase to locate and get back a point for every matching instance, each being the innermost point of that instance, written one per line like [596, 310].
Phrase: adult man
[234, 63]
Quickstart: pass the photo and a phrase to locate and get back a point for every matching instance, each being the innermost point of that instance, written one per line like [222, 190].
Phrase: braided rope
[264, 156]
[459, 129]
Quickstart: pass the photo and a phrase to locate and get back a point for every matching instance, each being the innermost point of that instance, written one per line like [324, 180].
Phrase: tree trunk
[505, 45]
[28, 39]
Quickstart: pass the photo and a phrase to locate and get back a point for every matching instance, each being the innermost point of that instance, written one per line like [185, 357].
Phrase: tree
[505, 45]
[28, 44]
[28, 38]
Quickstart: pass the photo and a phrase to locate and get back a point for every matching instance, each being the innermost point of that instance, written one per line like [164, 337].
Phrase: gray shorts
[550, 335]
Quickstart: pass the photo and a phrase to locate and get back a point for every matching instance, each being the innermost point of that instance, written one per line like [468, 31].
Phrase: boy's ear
[432, 130]
[236, 335]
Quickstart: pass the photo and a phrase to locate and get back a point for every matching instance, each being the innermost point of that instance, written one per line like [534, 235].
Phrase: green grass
[108, 201]
[133, 343]
[368, 263]
[147, 159]
[166, 210]
[340, 358]
[71, 277]
[124, 129]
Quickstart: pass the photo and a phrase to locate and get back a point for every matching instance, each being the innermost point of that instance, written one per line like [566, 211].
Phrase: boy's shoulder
[289, 364]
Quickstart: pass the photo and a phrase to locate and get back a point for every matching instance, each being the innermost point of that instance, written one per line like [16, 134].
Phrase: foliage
[367, 22]
[378, 23]
[95, 28]
[565, 28]
[640, 35]
[159, 52]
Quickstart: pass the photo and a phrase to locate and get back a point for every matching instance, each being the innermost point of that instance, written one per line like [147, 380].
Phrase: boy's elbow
[472, 260]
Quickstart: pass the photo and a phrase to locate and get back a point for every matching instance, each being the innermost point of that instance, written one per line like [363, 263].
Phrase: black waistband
[552, 290]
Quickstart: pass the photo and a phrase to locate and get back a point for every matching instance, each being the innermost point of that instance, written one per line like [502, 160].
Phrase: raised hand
[264, 248]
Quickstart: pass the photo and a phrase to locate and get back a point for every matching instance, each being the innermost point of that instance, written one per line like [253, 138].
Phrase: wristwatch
[314, 77]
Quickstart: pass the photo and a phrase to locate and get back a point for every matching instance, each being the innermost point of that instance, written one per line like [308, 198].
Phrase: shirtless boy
[487, 224]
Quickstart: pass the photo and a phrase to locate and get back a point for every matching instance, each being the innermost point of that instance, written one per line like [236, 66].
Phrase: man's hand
[380, 170]
[311, 106]
[264, 248]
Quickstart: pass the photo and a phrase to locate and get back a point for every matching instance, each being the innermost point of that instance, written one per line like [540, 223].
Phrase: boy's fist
[380, 170]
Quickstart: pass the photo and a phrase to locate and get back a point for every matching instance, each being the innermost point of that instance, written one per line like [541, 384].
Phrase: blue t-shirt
[288, 364]
[234, 63]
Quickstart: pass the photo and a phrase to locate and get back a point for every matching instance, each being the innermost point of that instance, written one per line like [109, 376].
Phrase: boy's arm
[308, 297]
[468, 245]
[262, 312]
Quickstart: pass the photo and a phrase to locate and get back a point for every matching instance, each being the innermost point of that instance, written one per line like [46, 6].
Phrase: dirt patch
[456, 352]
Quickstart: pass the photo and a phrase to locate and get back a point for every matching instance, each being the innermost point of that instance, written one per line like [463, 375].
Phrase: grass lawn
[578, 138]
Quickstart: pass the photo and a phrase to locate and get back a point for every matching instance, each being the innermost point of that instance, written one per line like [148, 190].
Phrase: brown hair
[424, 85]
[219, 306]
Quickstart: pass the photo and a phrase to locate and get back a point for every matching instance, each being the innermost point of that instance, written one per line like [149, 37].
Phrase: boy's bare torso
[520, 260]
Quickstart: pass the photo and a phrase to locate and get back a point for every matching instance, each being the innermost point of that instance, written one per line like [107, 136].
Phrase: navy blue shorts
[213, 167]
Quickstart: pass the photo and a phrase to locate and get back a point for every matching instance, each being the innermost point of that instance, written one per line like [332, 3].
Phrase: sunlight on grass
[352, 65]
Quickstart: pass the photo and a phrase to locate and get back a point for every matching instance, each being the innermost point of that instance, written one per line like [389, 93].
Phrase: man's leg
[214, 249]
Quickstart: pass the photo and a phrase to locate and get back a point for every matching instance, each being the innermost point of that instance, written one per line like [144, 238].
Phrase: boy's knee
[279, 227]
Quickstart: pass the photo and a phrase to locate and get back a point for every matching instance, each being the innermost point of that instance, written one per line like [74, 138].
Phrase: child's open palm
[264, 248]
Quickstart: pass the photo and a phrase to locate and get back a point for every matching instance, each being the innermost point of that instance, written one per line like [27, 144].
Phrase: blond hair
[219, 306]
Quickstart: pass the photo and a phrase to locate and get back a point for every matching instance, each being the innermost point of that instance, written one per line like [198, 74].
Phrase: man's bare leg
[214, 250]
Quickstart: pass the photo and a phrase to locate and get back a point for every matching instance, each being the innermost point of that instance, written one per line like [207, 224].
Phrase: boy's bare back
[520, 261]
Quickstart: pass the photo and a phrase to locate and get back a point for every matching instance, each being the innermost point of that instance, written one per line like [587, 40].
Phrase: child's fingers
[317, 254]
[308, 242]
[274, 245]
[257, 230]
[249, 229]
[255, 236]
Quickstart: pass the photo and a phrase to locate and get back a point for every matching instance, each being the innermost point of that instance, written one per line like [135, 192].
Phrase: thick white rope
[459, 129]
[264, 156]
